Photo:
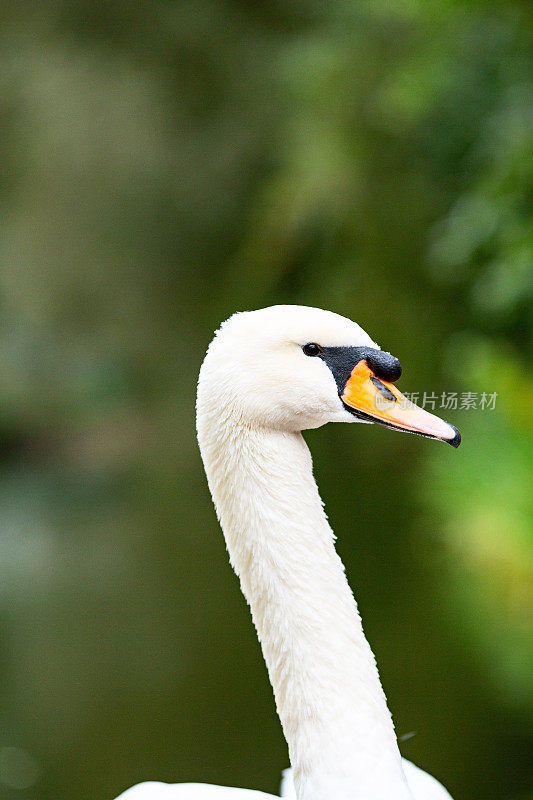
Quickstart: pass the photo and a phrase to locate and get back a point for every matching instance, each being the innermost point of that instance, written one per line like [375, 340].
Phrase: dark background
[168, 163]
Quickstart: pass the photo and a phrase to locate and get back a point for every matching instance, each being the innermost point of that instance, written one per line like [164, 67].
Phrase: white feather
[152, 790]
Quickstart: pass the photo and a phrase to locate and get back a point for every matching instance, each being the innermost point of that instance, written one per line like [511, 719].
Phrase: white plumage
[257, 391]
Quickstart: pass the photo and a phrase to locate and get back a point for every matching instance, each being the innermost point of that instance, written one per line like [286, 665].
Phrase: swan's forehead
[299, 324]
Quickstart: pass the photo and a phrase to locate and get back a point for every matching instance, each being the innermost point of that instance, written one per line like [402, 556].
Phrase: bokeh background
[163, 165]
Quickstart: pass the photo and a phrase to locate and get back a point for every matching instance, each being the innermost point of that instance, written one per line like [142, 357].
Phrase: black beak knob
[384, 365]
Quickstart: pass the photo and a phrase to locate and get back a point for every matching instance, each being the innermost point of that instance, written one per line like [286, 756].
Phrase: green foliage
[166, 164]
[487, 531]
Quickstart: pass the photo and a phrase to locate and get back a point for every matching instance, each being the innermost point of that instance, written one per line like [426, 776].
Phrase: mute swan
[268, 375]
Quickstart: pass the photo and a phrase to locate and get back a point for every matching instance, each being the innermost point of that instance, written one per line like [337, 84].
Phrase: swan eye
[311, 349]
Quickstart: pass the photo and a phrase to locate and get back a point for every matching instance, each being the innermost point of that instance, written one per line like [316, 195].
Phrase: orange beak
[376, 400]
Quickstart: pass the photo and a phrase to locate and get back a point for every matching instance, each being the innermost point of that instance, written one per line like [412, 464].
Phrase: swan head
[293, 368]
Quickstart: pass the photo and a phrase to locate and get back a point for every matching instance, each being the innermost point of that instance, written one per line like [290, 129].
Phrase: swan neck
[328, 694]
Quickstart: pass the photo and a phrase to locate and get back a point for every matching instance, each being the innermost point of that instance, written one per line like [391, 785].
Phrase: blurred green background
[165, 164]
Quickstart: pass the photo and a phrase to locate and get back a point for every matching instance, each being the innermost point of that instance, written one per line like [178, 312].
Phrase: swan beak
[376, 400]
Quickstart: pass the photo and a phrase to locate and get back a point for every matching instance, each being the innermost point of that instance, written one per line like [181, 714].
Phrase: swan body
[268, 375]
[153, 790]
[422, 786]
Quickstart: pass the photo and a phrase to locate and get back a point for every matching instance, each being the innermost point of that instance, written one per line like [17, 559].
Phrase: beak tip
[456, 441]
